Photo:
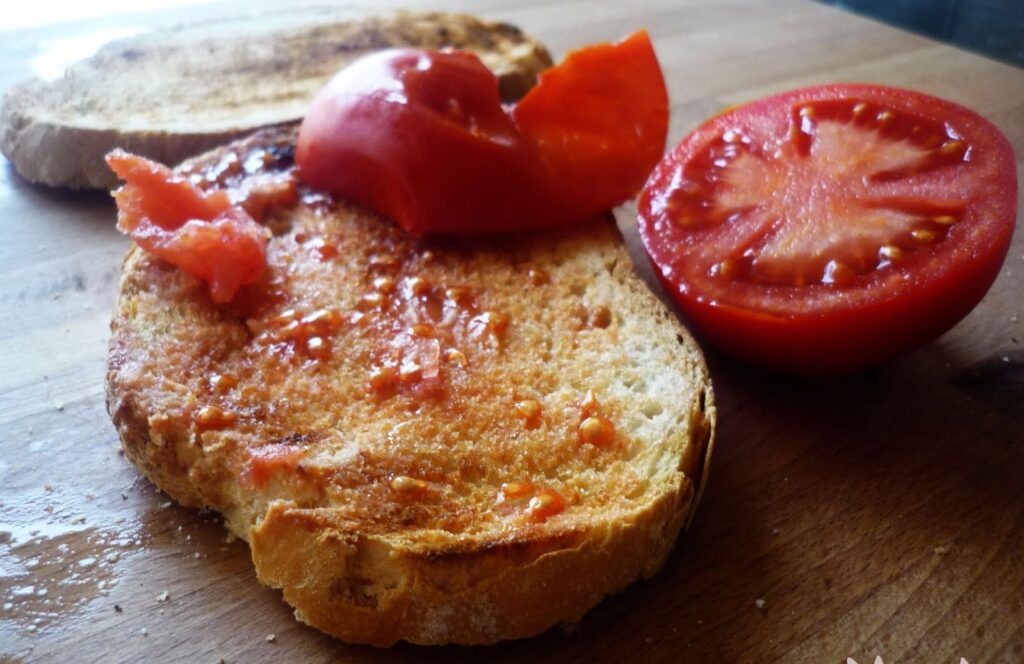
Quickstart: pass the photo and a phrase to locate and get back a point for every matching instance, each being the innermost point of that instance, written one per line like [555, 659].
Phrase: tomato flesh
[421, 137]
[831, 228]
[200, 232]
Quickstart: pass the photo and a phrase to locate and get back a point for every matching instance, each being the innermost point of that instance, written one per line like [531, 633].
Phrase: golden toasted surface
[430, 397]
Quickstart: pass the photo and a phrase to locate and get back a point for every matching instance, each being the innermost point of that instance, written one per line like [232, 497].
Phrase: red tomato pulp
[200, 232]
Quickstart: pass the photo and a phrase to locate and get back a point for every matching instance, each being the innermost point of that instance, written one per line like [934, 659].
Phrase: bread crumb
[759, 603]
[144, 631]
[163, 597]
[164, 505]
[271, 637]
[230, 538]
[941, 550]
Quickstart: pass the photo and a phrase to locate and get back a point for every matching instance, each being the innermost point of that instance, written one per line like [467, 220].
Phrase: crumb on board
[271, 637]
[759, 603]
[163, 597]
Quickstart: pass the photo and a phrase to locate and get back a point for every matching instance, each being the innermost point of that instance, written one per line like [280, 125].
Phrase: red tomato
[198, 231]
[599, 120]
[422, 137]
[831, 228]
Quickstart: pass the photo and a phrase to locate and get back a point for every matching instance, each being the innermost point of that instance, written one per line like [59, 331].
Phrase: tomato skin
[843, 341]
[817, 329]
[422, 138]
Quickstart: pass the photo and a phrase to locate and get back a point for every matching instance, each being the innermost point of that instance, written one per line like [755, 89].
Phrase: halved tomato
[831, 228]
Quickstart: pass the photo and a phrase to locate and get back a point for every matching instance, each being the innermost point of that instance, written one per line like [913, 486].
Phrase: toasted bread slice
[472, 439]
[175, 93]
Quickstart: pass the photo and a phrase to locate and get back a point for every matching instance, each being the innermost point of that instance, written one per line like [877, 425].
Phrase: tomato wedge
[599, 120]
[828, 229]
[200, 232]
[421, 137]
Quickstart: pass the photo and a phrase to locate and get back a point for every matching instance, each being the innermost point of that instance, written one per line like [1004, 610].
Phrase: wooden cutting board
[876, 515]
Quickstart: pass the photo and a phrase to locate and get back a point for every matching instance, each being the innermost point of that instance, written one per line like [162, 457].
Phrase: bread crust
[175, 93]
[364, 565]
[440, 597]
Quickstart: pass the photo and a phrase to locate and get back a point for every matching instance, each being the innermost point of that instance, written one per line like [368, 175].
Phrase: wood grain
[879, 514]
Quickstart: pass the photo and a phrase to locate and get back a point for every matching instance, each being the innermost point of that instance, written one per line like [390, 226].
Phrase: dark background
[991, 27]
